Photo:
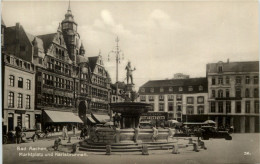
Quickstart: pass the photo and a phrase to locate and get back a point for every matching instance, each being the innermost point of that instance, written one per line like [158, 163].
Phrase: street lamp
[118, 52]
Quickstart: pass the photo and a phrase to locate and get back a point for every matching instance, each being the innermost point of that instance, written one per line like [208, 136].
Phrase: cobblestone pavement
[244, 148]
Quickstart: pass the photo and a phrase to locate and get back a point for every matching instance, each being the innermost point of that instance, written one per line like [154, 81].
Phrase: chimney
[227, 60]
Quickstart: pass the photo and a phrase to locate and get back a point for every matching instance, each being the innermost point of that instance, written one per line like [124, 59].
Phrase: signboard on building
[154, 116]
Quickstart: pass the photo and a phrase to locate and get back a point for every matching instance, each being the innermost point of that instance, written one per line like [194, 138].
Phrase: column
[242, 124]
[252, 124]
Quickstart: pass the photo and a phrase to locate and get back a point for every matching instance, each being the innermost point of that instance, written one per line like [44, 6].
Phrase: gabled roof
[175, 84]
[249, 66]
[93, 62]
[47, 40]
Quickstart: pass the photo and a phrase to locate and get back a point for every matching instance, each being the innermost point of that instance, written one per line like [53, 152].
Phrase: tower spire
[69, 6]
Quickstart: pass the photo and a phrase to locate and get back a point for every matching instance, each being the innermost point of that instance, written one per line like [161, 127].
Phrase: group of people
[18, 134]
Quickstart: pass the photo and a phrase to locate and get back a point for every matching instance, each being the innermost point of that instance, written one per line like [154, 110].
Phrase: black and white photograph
[130, 82]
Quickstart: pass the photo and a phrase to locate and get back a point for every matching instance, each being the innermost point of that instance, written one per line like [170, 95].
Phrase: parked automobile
[211, 132]
[26, 134]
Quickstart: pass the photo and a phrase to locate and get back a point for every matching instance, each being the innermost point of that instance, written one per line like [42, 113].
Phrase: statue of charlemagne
[129, 73]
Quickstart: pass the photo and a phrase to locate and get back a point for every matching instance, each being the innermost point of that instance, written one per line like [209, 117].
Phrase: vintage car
[211, 132]
[26, 134]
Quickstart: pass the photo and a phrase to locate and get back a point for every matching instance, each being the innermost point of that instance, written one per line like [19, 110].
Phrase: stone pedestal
[252, 124]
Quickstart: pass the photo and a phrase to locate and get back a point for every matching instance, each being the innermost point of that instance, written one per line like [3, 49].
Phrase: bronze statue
[129, 73]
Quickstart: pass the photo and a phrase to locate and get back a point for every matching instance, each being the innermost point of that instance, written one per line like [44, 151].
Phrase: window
[220, 80]
[220, 107]
[200, 88]
[228, 107]
[227, 93]
[220, 93]
[179, 97]
[220, 68]
[11, 99]
[179, 108]
[247, 106]
[20, 82]
[28, 102]
[171, 115]
[161, 107]
[238, 107]
[152, 107]
[190, 110]
[27, 121]
[20, 100]
[142, 90]
[11, 80]
[247, 79]
[247, 94]
[28, 84]
[170, 106]
[213, 81]
[256, 106]
[213, 94]
[40, 61]
[227, 80]
[200, 100]
[238, 80]
[170, 89]
[152, 90]
[200, 109]
[180, 89]
[256, 93]
[238, 92]
[212, 107]
[151, 98]
[143, 98]
[161, 89]
[189, 100]
[256, 80]
[161, 98]
[170, 97]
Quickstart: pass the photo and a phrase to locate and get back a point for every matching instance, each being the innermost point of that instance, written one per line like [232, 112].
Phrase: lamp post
[118, 52]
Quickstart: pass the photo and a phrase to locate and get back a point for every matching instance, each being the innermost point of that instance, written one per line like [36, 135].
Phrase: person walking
[18, 133]
[63, 132]
[74, 130]
[66, 132]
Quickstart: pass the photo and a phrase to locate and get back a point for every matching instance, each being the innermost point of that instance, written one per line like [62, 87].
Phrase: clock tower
[71, 36]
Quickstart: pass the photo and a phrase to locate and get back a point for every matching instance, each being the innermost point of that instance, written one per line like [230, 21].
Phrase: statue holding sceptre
[129, 73]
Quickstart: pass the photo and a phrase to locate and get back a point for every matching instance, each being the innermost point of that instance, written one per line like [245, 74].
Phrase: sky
[159, 38]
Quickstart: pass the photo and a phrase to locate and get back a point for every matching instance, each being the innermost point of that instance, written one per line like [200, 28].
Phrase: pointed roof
[47, 40]
[68, 16]
[93, 62]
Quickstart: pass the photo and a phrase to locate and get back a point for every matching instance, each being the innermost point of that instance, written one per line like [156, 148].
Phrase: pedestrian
[74, 130]
[18, 133]
[63, 133]
[66, 132]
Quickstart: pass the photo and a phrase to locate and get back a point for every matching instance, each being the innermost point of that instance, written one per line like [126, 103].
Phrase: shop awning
[57, 116]
[91, 120]
[101, 118]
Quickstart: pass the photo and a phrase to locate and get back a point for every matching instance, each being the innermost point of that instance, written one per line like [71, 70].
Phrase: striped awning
[101, 118]
[91, 120]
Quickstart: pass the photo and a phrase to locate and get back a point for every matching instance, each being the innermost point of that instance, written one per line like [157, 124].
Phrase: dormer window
[152, 90]
[180, 89]
[142, 90]
[170, 89]
[200, 88]
[220, 68]
[161, 89]
[190, 88]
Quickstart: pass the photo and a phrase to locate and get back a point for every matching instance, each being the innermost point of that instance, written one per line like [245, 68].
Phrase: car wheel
[35, 138]
[5, 139]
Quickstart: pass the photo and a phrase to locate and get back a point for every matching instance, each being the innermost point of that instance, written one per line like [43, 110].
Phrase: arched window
[220, 68]
[180, 89]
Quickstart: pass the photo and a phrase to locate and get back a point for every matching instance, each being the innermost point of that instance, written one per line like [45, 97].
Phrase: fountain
[126, 135]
